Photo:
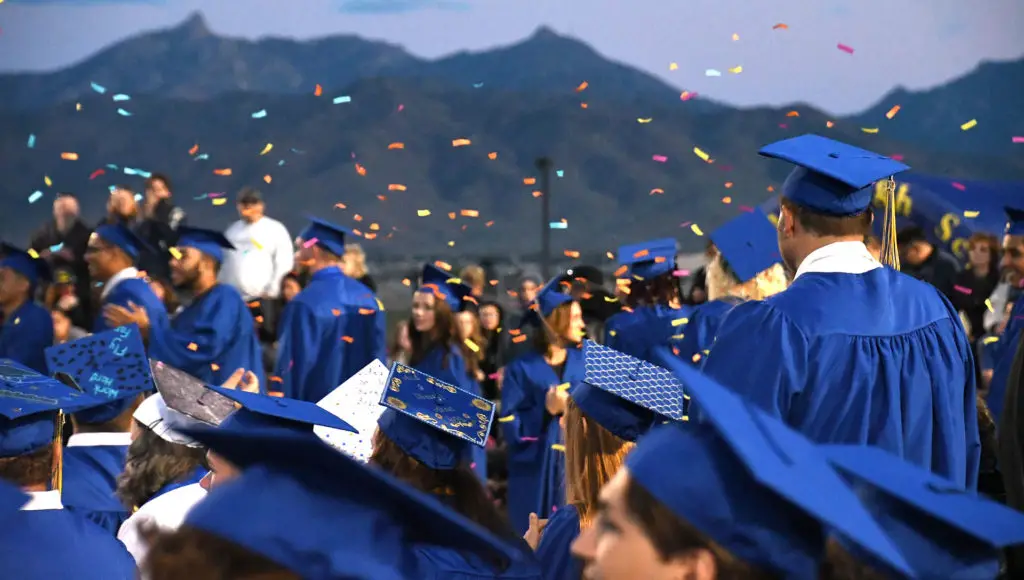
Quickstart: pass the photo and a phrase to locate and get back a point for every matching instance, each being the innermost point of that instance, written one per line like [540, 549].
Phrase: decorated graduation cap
[443, 285]
[31, 267]
[30, 408]
[431, 420]
[182, 401]
[648, 259]
[748, 243]
[357, 402]
[210, 242]
[753, 485]
[122, 237]
[294, 491]
[328, 236]
[548, 299]
[259, 411]
[943, 530]
[1014, 221]
[110, 365]
[626, 395]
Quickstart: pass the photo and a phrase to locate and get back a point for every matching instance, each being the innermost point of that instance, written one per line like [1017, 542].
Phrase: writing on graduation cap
[103, 385]
[22, 396]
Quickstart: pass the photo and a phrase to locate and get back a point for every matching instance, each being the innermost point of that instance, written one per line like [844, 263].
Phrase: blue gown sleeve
[296, 349]
[199, 345]
[554, 550]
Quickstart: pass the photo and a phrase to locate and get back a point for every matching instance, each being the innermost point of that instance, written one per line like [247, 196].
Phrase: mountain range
[376, 147]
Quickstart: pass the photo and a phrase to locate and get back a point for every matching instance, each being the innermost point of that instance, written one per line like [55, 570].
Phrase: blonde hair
[356, 258]
[593, 455]
[721, 282]
[473, 276]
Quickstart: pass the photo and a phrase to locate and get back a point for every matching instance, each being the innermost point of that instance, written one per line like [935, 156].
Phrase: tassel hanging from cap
[57, 468]
[890, 254]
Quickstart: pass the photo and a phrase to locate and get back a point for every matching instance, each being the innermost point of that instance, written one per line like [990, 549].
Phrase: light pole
[544, 167]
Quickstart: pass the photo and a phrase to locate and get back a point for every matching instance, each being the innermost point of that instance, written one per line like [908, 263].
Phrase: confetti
[68, 156]
[696, 229]
[121, 97]
[460, 142]
[193, 346]
[342, 99]
[1017, 139]
[226, 171]
[422, 212]
[396, 145]
[98, 88]
[829, 124]
[36, 196]
[659, 158]
[687, 95]
[492, 155]
[969, 125]
[194, 149]
[571, 254]
[673, 66]
[699, 153]
[958, 185]
[583, 105]
[54, 249]
[712, 73]
[469, 213]
[443, 265]
[139, 172]
[396, 187]
[267, 178]
[318, 90]
[871, 130]
[477, 85]
[175, 253]
[310, 243]
[78, 106]
[360, 169]
[32, 141]
[472, 345]
[220, 201]
[47, 180]
[844, 48]
[259, 114]
[892, 112]
[559, 173]
[267, 148]
[735, 37]
[793, 114]
[969, 213]
[728, 184]
[451, 215]
[644, 121]
[201, 156]
[96, 174]
[780, 26]
[657, 191]
[489, 224]
[123, 113]
[736, 70]
[529, 180]
[963, 289]
[727, 200]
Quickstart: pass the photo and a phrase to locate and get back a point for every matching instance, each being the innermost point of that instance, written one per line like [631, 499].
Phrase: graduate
[852, 352]
[27, 327]
[942, 531]
[533, 396]
[436, 348]
[333, 327]
[111, 255]
[620, 399]
[654, 314]
[110, 366]
[425, 437]
[301, 510]
[43, 541]
[215, 333]
[738, 495]
[1006, 348]
[746, 266]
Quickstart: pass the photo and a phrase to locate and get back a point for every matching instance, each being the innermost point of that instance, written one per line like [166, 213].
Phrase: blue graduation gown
[551, 496]
[877, 358]
[526, 426]
[554, 550]
[25, 336]
[443, 563]
[1003, 353]
[90, 480]
[699, 333]
[211, 338]
[328, 332]
[639, 331]
[138, 291]
[56, 544]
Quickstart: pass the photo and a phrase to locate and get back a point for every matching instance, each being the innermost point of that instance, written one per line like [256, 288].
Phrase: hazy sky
[914, 43]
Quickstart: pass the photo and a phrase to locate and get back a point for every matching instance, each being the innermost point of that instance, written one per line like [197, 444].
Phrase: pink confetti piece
[400, 107]
[659, 158]
[685, 224]
[309, 243]
[1017, 139]
[529, 439]
[680, 273]
[746, 208]
[844, 48]
[958, 185]
[783, 126]
[967, 291]
[897, 157]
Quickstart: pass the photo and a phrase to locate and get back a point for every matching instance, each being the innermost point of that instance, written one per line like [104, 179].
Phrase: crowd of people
[814, 402]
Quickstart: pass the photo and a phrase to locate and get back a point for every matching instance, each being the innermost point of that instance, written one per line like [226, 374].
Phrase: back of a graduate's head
[199, 555]
[152, 463]
[593, 455]
[29, 470]
[818, 224]
[662, 289]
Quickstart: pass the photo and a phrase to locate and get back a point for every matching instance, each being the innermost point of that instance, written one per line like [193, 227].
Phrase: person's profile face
[157, 190]
[528, 291]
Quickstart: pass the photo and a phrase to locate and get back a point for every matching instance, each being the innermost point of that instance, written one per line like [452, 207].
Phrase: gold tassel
[57, 469]
[890, 254]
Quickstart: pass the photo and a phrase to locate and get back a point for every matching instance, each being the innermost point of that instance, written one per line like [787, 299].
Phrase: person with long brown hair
[619, 400]
[533, 396]
[436, 348]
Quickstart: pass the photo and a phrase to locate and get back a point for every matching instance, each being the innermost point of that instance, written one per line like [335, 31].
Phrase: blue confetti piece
[122, 97]
[123, 113]
[112, 166]
[140, 172]
[280, 163]
[259, 114]
[199, 197]
[57, 248]
[31, 141]
[98, 88]
[342, 99]
[560, 173]
[477, 85]
[138, 197]
[201, 156]
[298, 151]
[35, 196]
[558, 225]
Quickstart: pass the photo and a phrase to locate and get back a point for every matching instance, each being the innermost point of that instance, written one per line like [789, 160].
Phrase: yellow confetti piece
[451, 243]
[871, 130]
[735, 37]
[990, 339]
[680, 321]
[423, 212]
[988, 304]
[78, 106]
[374, 226]
[609, 255]
[396, 187]
[970, 213]
[47, 180]
[267, 178]
[175, 252]
[461, 142]
[736, 70]
[673, 66]
[969, 125]
[699, 153]
[396, 145]
[219, 200]
[256, 243]
[727, 199]
[267, 148]
[644, 121]
[696, 229]
[892, 112]
[215, 367]
[33, 254]
[472, 345]
[69, 156]
[492, 155]
[583, 86]
[193, 346]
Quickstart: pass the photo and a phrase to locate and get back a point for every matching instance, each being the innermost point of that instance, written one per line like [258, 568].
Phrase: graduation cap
[357, 402]
[265, 412]
[110, 365]
[831, 177]
[210, 242]
[31, 267]
[431, 420]
[748, 243]
[328, 236]
[648, 259]
[626, 395]
[755, 486]
[121, 236]
[942, 530]
[548, 299]
[294, 491]
[1015, 221]
[182, 401]
[30, 405]
[443, 285]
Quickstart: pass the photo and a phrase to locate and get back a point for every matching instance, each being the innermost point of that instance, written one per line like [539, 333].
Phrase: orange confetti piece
[340, 206]
[469, 213]
[571, 254]
[621, 271]
[727, 199]
[583, 105]
[529, 180]
[641, 254]
[367, 311]
[829, 124]
[396, 145]
[357, 217]
[396, 187]
[370, 236]
[194, 149]
[892, 112]
[780, 26]
[451, 215]
[275, 379]
[583, 86]
[406, 282]
[518, 339]
[318, 90]
[461, 142]
[492, 155]
[267, 178]
[278, 394]
[657, 191]
[537, 194]
[259, 320]
[771, 188]
[443, 265]
[215, 367]
[193, 346]
[382, 197]
[336, 312]
[489, 224]
[226, 171]
[793, 114]
[360, 169]
[348, 339]
[728, 185]
[69, 156]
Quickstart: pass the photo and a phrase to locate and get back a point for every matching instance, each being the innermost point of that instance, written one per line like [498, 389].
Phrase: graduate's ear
[787, 222]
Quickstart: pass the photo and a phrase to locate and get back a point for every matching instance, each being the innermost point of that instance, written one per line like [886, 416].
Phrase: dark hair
[910, 235]
[291, 276]
[34, 468]
[153, 463]
[199, 555]
[171, 302]
[161, 178]
[824, 225]
[661, 290]
[446, 336]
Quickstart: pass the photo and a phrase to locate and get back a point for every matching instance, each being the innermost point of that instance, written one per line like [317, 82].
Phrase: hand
[536, 530]
[243, 380]
[555, 401]
[67, 302]
[116, 315]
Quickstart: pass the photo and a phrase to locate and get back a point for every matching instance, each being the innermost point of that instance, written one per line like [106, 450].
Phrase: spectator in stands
[354, 265]
[401, 346]
[63, 329]
[62, 295]
[474, 277]
[158, 227]
[263, 256]
[973, 286]
[121, 206]
[924, 261]
[62, 243]
[467, 322]
[528, 287]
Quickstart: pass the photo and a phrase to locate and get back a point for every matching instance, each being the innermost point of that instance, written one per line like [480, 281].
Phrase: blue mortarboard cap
[831, 177]
[265, 412]
[190, 397]
[328, 236]
[432, 420]
[548, 299]
[210, 242]
[110, 365]
[29, 406]
[749, 244]
[33, 268]
[754, 485]
[944, 531]
[648, 259]
[124, 238]
[295, 490]
[626, 395]
[444, 285]
[1015, 221]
